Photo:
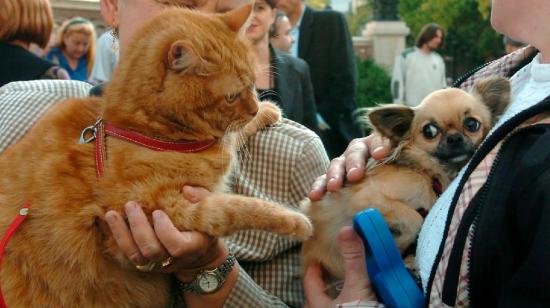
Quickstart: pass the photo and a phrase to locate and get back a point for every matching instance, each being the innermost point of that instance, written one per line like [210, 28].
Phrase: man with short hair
[419, 70]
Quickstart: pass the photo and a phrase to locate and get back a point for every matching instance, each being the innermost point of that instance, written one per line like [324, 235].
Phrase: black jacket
[293, 85]
[19, 64]
[325, 44]
[509, 260]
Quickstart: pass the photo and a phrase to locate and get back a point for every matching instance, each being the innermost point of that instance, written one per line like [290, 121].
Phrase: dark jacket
[293, 85]
[509, 259]
[19, 64]
[325, 44]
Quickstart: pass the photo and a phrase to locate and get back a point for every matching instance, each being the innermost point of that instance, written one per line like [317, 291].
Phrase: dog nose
[455, 139]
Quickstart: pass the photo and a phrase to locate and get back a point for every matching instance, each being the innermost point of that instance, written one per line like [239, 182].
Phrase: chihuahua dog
[432, 142]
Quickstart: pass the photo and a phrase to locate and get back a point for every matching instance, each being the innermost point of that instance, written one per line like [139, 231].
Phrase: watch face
[209, 282]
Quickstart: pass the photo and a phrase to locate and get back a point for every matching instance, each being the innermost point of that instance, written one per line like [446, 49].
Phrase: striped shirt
[278, 164]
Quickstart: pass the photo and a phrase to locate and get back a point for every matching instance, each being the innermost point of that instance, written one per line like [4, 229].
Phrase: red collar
[101, 129]
[9, 233]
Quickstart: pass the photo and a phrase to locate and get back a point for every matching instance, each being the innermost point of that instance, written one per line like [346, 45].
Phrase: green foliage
[355, 21]
[373, 86]
[470, 41]
[318, 4]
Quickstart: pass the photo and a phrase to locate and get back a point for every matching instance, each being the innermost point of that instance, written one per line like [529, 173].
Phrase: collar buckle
[89, 133]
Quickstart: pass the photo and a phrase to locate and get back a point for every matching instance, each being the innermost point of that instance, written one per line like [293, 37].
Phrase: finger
[335, 173]
[144, 234]
[123, 238]
[379, 147]
[356, 155]
[314, 287]
[319, 188]
[188, 246]
[194, 193]
[356, 284]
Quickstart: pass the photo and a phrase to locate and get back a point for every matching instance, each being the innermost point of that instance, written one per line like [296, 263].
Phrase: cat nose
[254, 113]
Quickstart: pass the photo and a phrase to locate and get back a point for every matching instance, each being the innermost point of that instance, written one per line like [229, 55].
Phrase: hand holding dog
[356, 284]
[351, 164]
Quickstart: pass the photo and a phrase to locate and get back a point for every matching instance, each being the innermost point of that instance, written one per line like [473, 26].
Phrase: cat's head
[186, 75]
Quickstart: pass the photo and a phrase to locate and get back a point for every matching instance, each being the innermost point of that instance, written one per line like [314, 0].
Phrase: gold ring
[167, 262]
[147, 267]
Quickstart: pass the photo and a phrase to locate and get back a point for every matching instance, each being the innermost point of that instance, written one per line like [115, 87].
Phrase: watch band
[221, 272]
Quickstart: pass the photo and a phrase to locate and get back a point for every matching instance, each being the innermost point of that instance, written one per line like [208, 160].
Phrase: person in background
[323, 40]
[486, 241]
[75, 48]
[511, 45]
[283, 79]
[419, 70]
[106, 58]
[279, 33]
[42, 51]
[17, 33]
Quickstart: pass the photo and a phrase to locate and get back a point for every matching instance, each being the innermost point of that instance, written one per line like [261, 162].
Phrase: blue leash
[391, 280]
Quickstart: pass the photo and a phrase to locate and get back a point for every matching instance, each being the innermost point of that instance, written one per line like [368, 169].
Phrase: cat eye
[231, 97]
[471, 124]
[430, 131]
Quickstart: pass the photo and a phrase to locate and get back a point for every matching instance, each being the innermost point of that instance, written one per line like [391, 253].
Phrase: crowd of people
[499, 256]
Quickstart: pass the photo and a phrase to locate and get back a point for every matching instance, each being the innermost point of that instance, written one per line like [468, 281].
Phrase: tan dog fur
[402, 184]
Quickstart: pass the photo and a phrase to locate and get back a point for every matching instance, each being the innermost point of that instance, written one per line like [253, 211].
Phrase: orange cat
[188, 76]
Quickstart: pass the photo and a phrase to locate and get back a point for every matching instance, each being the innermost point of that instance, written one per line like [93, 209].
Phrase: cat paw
[268, 114]
[298, 226]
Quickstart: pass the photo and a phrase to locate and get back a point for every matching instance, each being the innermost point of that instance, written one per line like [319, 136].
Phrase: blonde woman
[75, 48]
[17, 33]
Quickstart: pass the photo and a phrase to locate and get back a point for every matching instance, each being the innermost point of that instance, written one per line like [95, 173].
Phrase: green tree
[470, 41]
[373, 86]
[355, 21]
[318, 4]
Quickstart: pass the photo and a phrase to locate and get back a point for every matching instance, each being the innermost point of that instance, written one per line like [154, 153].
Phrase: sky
[340, 5]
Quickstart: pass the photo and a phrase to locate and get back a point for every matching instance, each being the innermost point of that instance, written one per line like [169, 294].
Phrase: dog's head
[447, 126]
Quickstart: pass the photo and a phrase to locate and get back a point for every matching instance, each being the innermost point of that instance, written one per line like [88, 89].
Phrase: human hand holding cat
[145, 243]
[351, 164]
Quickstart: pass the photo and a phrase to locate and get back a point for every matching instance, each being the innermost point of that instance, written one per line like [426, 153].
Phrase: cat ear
[237, 19]
[183, 58]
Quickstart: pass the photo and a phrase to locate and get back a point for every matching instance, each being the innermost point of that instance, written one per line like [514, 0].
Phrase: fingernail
[157, 216]
[378, 149]
[110, 217]
[130, 206]
[352, 169]
[333, 179]
[189, 195]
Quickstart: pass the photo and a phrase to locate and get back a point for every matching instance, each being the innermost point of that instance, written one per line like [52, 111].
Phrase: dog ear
[392, 121]
[495, 93]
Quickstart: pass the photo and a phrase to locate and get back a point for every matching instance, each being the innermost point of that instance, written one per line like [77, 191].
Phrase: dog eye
[231, 97]
[471, 124]
[430, 131]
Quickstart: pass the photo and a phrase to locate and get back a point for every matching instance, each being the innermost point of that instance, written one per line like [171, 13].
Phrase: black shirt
[19, 64]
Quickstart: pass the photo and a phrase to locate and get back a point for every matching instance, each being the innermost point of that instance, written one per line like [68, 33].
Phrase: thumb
[314, 288]
[194, 193]
[356, 284]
